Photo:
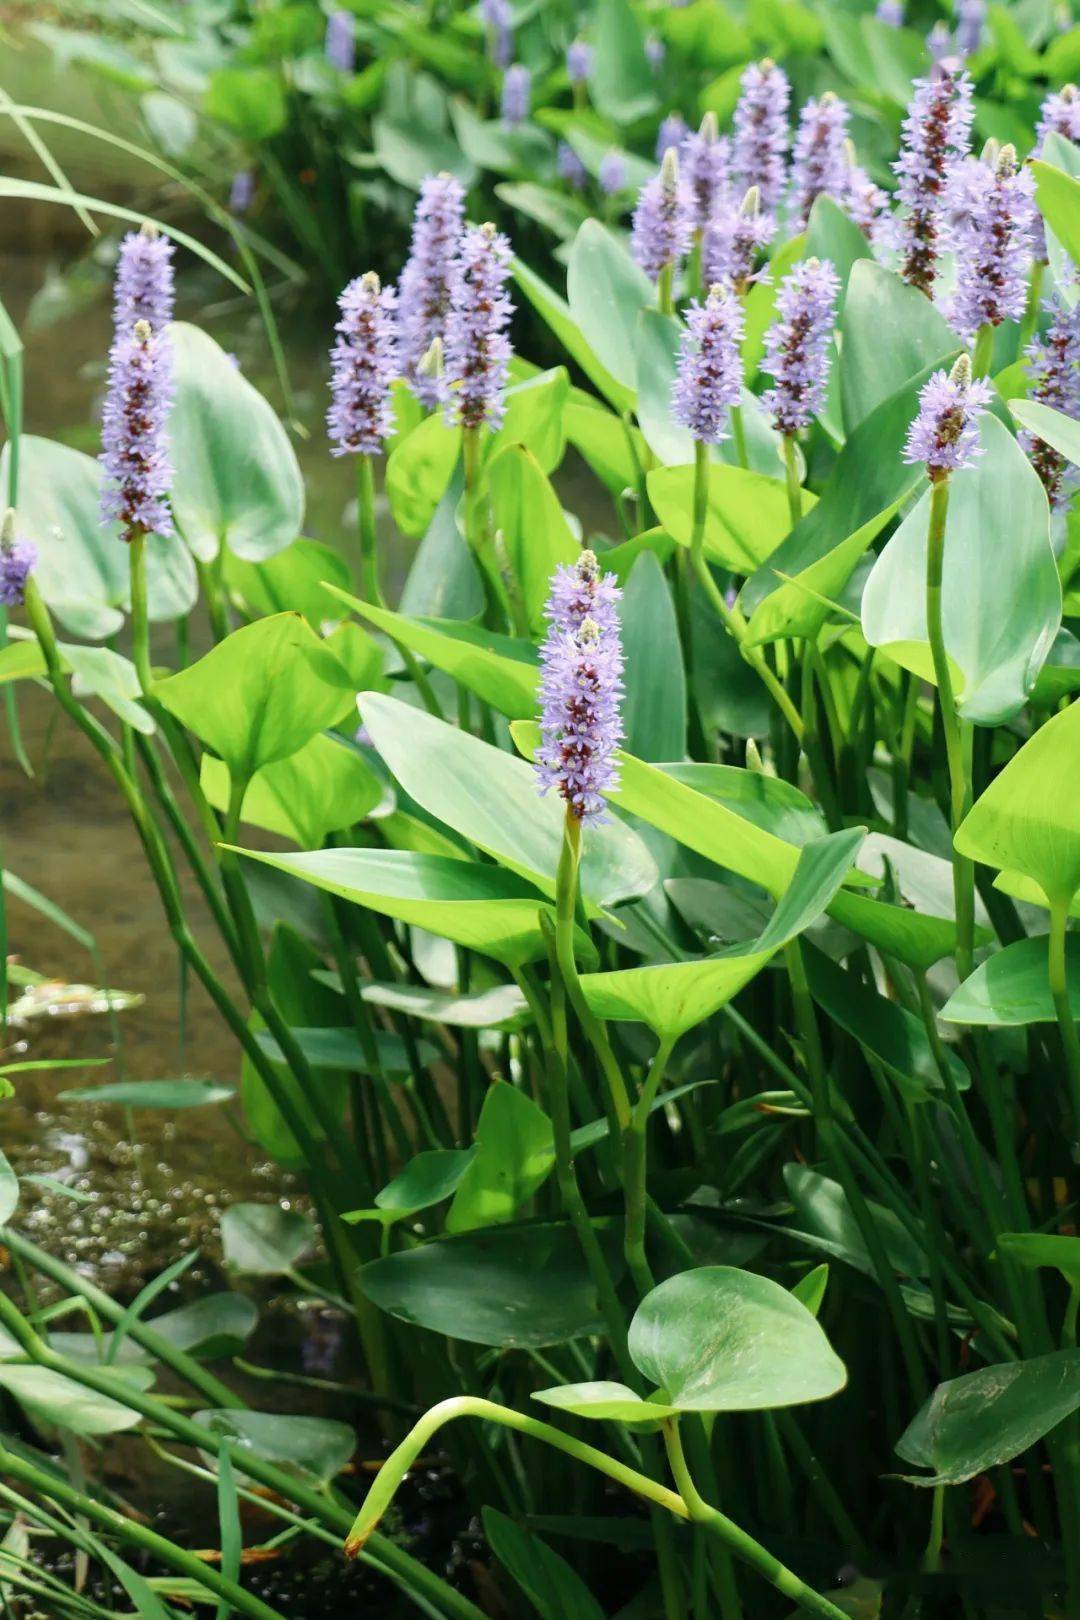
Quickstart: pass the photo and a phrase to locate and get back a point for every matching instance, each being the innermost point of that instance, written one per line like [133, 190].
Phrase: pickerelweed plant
[668, 991]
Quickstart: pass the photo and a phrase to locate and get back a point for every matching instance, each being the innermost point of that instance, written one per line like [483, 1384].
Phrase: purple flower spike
[242, 191]
[18, 557]
[890, 12]
[663, 227]
[945, 433]
[578, 61]
[705, 159]
[796, 345]
[612, 173]
[143, 290]
[936, 134]
[970, 22]
[864, 200]
[818, 162]
[939, 42]
[516, 95]
[136, 469]
[673, 131]
[1054, 366]
[1059, 115]
[655, 52]
[570, 167]
[580, 689]
[761, 132]
[424, 288]
[733, 246]
[990, 214]
[477, 345]
[339, 44]
[710, 373]
[500, 31]
[364, 362]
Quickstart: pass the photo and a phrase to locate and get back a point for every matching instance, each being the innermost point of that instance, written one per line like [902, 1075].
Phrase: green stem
[789, 451]
[365, 509]
[1031, 309]
[738, 433]
[140, 623]
[1059, 989]
[983, 358]
[665, 289]
[634, 1161]
[742, 1545]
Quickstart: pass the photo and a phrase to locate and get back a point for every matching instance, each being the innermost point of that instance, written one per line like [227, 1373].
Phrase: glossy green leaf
[263, 1240]
[513, 1286]
[891, 332]
[1056, 429]
[717, 1339]
[212, 1326]
[1058, 196]
[603, 1402]
[236, 481]
[340, 1047]
[746, 519]
[1028, 820]
[555, 1589]
[491, 798]
[418, 472]
[537, 537]
[248, 100]
[606, 292]
[102, 673]
[1036, 1250]
[998, 554]
[1013, 986]
[533, 419]
[295, 578]
[485, 909]
[653, 711]
[824, 1214]
[319, 1447]
[430, 1178]
[9, 1190]
[807, 599]
[503, 1007]
[260, 694]
[554, 309]
[51, 1399]
[620, 79]
[515, 1151]
[325, 786]
[984, 1418]
[153, 1093]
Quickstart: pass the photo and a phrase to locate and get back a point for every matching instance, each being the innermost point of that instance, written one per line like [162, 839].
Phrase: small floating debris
[51, 998]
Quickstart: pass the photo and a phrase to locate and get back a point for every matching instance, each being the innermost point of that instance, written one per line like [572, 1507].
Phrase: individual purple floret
[796, 345]
[570, 167]
[18, 556]
[339, 44]
[705, 159]
[936, 134]
[864, 200]
[818, 162]
[890, 12]
[135, 464]
[710, 369]
[655, 52]
[242, 191]
[673, 131]
[516, 95]
[761, 133]
[364, 362]
[939, 42]
[424, 287]
[945, 433]
[477, 345]
[733, 246]
[1054, 367]
[143, 289]
[663, 228]
[578, 61]
[580, 689]
[611, 174]
[990, 213]
[970, 22]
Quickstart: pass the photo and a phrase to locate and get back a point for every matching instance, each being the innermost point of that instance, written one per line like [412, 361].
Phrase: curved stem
[983, 358]
[365, 509]
[634, 1159]
[140, 622]
[791, 477]
[665, 289]
[1059, 989]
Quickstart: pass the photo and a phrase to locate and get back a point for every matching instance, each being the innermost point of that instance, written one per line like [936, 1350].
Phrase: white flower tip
[143, 331]
[750, 206]
[710, 129]
[961, 371]
[669, 170]
[7, 528]
[149, 230]
[431, 363]
[1006, 163]
[371, 283]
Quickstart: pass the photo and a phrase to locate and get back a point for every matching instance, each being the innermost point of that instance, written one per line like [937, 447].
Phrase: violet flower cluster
[970, 22]
[135, 463]
[797, 344]
[945, 433]
[673, 131]
[242, 191]
[709, 378]
[364, 362]
[735, 240]
[570, 167]
[339, 45]
[18, 557]
[424, 287]
[611, 175]
[477, 345]
[936, 134]
[580, 689]
[1059, 115]
[890, 12]
[1054, 367]
[143, 288]
[663, 227]
[761, 137]
[516, 95]
[991, 215]
[500, 30]
[819, 161]
[578, 61]
[705, 159]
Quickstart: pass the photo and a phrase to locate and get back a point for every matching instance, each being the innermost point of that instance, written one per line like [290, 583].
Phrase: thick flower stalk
[663, 227]
[424, 287]
[759, 151]
[735, 242]
[672, 132]
[18, 557]
[936, 134]
[570, 167]
[970, 22]
[944, 435]
[364, 362]
[136, 469]
[797, 345]
[990, 214]
[611, 175]
[705, 158]
[819, 164]
[339, 44]
[477, 347]
[143, 288]
[709, 377]
[580, 689]
[1054, 367]
[516, 95]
